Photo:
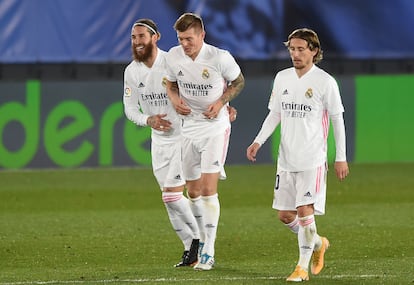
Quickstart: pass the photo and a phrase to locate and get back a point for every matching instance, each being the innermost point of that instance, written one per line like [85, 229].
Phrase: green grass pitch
[109, 226]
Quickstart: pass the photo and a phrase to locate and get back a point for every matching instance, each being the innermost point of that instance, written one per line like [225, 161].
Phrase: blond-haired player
[304, 100]
[202, 79]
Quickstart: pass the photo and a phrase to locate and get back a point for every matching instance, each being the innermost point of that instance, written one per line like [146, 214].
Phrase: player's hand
[232, 113]
[341, 169]
[213, 110]
[180, 106]
[252, 151]
[158, 122]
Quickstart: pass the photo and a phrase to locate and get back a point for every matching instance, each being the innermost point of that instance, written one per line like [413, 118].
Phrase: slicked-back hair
[149, 24]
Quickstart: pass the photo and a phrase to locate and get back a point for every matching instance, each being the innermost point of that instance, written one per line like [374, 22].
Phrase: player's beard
[144, 54]
[302, 63]
[298, 64]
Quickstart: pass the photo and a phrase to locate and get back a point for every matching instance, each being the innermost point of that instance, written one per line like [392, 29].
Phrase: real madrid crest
[164, 82]
[309, 93]
[205, 74]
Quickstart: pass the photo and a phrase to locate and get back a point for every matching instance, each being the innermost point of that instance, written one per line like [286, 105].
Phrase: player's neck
[302, 71]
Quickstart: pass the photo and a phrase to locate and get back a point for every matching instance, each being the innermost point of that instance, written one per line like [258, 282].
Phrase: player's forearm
[172, 90]
[340, 137]
[132, 110]
[134, 115]
[268, 127]
[233, 90]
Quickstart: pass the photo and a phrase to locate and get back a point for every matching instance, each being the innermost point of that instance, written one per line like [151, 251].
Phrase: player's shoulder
[162, 53]
[174, 54]
[161, 57]
[214, 49]
[322, 76]
[213, 52]
[174, 51]
[317, 71]
[285, 73]
[131, 67]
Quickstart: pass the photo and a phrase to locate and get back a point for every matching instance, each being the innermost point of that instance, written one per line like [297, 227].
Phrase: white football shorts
[206, 155]
[166, 164]
[294, 189]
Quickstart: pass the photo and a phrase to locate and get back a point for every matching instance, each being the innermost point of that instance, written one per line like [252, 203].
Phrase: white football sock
[294, 225]
[306, 240]
[181, 217]
[196, 206]
[211, 219]
[318, 242]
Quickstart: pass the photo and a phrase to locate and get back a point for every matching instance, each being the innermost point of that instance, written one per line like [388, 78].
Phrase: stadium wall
[61, 124]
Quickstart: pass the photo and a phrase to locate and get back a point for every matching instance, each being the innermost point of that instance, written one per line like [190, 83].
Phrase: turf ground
[108, 226]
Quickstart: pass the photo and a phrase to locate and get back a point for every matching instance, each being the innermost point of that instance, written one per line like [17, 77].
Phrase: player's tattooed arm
[233, 90]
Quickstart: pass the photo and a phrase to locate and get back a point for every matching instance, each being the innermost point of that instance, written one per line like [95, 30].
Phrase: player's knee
[286, 217]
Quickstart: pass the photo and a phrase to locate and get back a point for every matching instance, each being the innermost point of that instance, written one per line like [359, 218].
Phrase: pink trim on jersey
[171, 197]
[225, 145]
[325, 124]
[318, 179]
[306, 222]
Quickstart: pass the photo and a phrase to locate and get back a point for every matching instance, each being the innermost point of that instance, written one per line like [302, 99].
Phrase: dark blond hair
[187, 21]
[311, 38]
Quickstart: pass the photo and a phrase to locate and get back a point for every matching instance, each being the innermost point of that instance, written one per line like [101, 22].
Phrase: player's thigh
[311, 188]
[191, 159]
[213, 154]
[167, 165]
[284, 197]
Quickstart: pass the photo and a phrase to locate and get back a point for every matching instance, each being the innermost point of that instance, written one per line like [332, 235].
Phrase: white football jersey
[145, 94]
[202, 82]
[305, 104]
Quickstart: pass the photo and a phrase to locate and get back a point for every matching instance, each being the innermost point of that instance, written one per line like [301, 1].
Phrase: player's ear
[315, 51]
[155, 37]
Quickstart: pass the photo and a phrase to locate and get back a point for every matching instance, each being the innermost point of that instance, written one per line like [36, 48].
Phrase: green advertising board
[384, 124]
[82, 124]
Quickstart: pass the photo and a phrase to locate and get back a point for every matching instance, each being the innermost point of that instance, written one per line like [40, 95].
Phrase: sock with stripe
[306, 240]
[181, 217]
[294, 225]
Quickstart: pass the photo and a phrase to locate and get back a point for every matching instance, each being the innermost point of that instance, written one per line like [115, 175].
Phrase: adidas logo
[211, 226]
[216, 163]
[141, 85]
[285, 92]
[308, 194]
[178, 177]
[180, 73]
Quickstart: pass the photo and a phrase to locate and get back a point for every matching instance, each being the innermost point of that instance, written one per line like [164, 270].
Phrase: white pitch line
[163, 280]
